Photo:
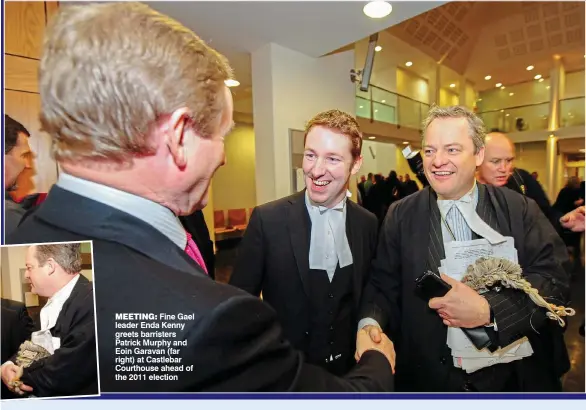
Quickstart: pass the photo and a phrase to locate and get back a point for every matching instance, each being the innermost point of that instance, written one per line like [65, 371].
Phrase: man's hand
[10, 372]
[364, 343]
[375, 334]
[462, 306]
[574, 220]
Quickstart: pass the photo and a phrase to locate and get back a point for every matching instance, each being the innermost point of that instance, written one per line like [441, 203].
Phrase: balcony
[386, 106]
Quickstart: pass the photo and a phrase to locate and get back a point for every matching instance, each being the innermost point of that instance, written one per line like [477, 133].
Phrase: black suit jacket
[424, 362]
[17, 327]
[196, 225]
[72, 369]
[273, 257]
[234, 341]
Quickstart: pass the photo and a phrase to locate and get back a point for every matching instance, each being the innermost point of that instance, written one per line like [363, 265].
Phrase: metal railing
[383, 105]
[572, 112]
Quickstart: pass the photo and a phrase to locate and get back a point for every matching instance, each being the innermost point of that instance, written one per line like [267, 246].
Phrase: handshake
[372, 338]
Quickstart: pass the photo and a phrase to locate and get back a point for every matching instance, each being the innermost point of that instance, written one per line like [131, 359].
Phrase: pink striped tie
[193, 251]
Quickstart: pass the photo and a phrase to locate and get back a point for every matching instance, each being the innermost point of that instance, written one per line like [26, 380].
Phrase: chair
[237, 218]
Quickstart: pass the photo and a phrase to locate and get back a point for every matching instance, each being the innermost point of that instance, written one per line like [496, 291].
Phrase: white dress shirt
[329, 243]
[50, 312]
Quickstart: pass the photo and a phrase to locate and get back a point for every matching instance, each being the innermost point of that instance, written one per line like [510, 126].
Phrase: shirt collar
[322, 209]
[468, 198]
[63, 294]
[156, 215]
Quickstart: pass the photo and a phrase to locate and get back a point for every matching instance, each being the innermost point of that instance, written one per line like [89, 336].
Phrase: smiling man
[412, 241]
[309, 253]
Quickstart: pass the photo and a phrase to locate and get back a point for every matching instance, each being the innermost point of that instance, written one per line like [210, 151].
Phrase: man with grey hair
[414, 236]
[66, 326]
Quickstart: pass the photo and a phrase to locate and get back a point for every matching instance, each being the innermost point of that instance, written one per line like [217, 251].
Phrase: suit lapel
[300, 232]
[87, 217]
[355, 240]
[435, 248]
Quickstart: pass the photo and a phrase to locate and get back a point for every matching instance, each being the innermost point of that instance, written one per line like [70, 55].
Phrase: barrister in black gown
[412, 242]
[316, 307]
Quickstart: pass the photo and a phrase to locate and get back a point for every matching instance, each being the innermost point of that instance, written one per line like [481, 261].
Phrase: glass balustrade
[516, 119]
[386, 106]
[572, 112]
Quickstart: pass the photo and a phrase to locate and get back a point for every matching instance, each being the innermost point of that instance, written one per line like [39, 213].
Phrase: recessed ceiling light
[378, 48]
[383, 101]
[452, 85]
[547, 88]
[361, 106]
[541, 80]
[375, 110]
[409, 63]
[371, 138]
[530, 67]
[480, 99]
[499, 84]
[405, 142]
[503, 87]
[511, 94]
[377, 9]
[537, 77]
[232, 83]
[488, 77]
[502, 110]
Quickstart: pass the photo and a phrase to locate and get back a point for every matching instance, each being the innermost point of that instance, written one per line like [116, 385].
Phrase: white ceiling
[314, 28]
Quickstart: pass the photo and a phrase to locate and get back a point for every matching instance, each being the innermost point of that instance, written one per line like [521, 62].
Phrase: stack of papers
[459, 255]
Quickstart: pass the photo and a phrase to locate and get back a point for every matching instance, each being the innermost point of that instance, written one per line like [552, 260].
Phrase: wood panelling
[25, 24]
[24, 30]
[21, 74]
[25, 108]
[51, 8]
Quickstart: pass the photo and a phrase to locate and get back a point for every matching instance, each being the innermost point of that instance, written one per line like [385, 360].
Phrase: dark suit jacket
[196, 225]
[17, 327]
[234, 341]
[273, 257]
[409, 245]
[72, 369]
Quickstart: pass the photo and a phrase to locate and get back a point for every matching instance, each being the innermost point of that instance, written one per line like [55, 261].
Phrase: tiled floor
[573, 381]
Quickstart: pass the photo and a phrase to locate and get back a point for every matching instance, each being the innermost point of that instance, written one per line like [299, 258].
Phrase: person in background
[498, 169]
[17, 157]
[309, 253]
[137, 151]
[17, 327]
[569, 198]
[361, 190]
[535, 175]
[412, 241]
[409, 187]
[574, 221]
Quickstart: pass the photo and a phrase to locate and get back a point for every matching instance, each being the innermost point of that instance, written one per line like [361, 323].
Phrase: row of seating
[236, 222]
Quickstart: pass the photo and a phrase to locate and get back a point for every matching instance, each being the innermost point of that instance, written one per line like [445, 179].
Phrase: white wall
[289, 88]
[13, 259]
[385, 158]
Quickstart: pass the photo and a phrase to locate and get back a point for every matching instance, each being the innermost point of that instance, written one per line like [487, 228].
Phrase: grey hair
[475, 123]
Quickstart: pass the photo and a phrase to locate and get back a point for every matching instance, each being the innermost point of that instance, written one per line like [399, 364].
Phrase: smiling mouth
[443, 173]
[321, 183]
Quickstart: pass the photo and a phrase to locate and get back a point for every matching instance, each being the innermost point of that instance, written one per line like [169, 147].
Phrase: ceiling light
[582, 150]
[488, 77]
[452, 85]
[232, 83]
[547, 87]
[503, 87]
[405, 142]
[375, 110]
[371, 138]
[537, 77]
[361, 106]
[508, 115]
[377, 9]
[502, 110]
[378, 48]
[530, 67]
[409, 63]
[541, 80]
[480, 99]
[511, 94]
[499, 84]
[383, 101]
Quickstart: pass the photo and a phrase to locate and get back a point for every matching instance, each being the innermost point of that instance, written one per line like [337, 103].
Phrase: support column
[462, 101]
[289, 88]
[434, 84]
[557, 79]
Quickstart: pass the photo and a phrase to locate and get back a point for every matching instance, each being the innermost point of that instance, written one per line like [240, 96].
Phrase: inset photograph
[48, 321]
